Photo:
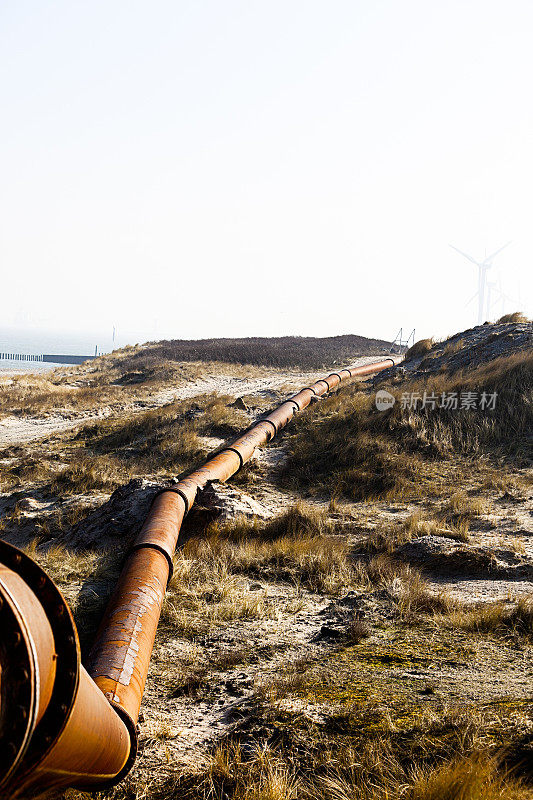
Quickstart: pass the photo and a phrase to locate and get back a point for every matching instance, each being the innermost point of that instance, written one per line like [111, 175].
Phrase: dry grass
[84, 475]
[335, 449]
[343, 445]
[317, 563]
[60, 563]
[212, 574]
[419, 349]
[290, 681]
[356, 631]
[300, 547]
[210, 585]
[405, 586]
[34, 394]
[116, 379]
[461, 506]
[516, 316]
[431, 760]
[261, 774]
[167, 435]
[453, 347]
[499, 481]
[474, 778]
[385, 539]
[304, 352]
[102, 455]
[204, 593]
[498, 618]
[85, 577]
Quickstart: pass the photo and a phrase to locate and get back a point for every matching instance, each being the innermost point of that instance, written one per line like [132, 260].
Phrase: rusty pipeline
[64, 725]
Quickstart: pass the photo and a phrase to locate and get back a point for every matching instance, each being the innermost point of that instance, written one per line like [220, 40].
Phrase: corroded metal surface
[120, 657]
[162, 525]
[92, 750]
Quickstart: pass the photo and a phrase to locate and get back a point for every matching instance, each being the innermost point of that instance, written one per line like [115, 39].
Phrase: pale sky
[194, 169]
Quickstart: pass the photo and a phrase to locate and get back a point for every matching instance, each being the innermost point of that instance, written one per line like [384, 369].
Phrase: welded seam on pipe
[234, 450]
[176, 491]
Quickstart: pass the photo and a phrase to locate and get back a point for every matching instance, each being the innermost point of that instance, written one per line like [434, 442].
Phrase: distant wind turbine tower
[483, 268]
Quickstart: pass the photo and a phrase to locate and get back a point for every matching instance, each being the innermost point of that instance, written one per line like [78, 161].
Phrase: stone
[240, 404]
[117, 521]
[226, 502]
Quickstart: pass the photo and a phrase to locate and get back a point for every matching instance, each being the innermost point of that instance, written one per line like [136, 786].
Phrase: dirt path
[19, 430]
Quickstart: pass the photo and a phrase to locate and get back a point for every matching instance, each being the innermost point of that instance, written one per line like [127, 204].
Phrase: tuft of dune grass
[516, 316]
[497, 618]
[418, 349]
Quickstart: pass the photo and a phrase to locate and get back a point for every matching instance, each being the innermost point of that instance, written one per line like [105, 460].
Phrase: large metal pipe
[61, 725]
[56, 728]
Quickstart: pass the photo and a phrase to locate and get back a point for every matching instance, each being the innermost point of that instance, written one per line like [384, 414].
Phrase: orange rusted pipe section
[61, 725]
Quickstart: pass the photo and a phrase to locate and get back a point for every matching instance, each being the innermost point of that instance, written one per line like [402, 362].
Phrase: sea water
[32, 341]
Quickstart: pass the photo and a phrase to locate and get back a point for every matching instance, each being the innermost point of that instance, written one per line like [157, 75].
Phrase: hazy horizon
[189, 170]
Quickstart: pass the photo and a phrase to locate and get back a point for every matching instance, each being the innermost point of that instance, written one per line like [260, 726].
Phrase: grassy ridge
[343, 445]
[307, 352]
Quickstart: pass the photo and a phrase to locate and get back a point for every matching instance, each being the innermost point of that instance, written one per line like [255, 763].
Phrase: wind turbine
[483, 268]
[504, 298]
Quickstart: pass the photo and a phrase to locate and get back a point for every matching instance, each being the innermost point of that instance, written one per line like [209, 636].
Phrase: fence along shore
[48, 357]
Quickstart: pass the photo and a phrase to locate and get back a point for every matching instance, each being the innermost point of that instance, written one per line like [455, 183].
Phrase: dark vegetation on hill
[470, 348]
[284, 351]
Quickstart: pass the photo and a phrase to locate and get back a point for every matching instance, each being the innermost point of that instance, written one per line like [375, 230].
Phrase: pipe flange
[133, 731]
[18, 703]
[295, 402]
[67, 648]
[160, 549]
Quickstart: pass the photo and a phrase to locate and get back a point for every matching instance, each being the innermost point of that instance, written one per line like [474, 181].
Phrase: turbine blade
[465, 255]
[489, 258]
